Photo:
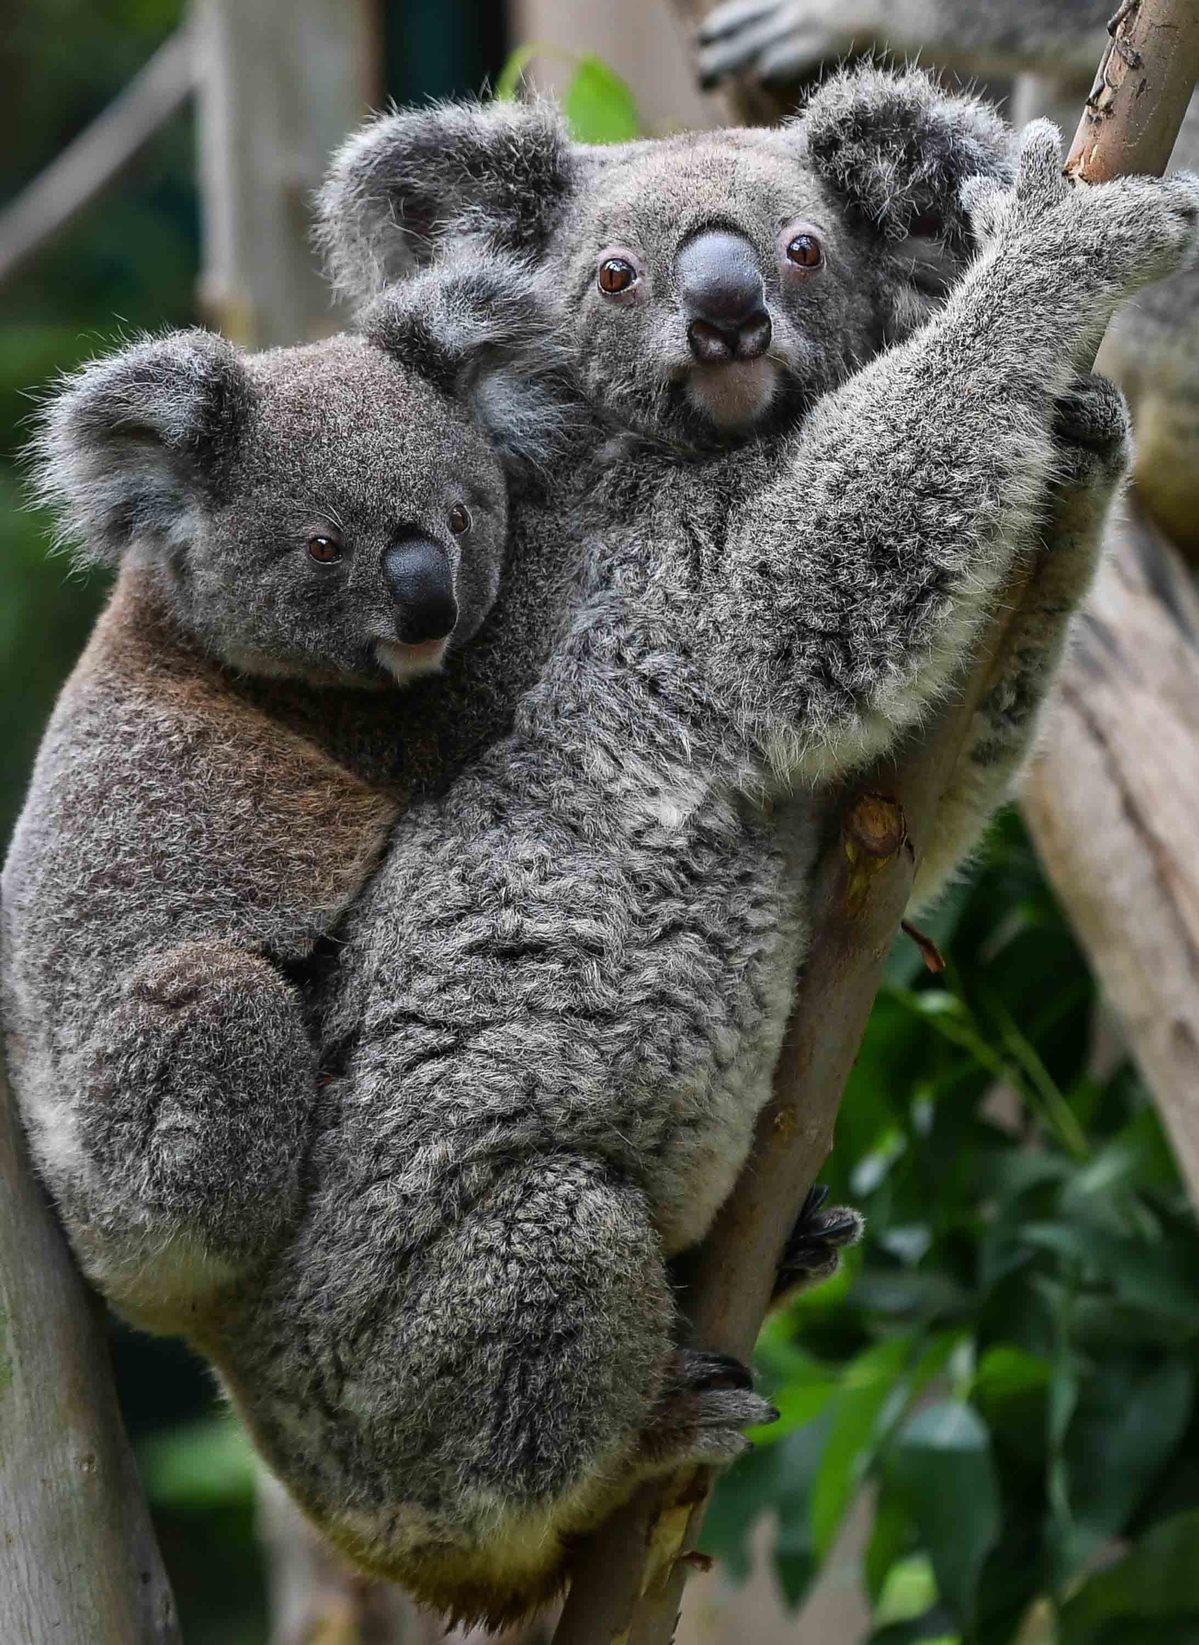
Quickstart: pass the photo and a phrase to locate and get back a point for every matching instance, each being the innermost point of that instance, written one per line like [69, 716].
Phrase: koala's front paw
[1106, 237]
[814, 1248]
[702, 1413]
[1092, 431]
[776, 40]
[200, 1088]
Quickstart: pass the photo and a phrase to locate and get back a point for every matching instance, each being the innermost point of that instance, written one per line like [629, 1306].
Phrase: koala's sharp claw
[698, 1371]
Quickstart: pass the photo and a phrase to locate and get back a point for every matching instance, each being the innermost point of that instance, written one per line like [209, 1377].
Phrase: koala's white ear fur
[482, 330]
[409, 186]
[128, 444]
[897, 147]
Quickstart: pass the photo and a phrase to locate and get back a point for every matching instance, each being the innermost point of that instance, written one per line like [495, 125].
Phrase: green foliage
[598, 105]
[1009, 1360]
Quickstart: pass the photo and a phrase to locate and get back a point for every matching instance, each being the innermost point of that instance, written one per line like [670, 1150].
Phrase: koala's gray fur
[185, 846]
[558, 1002]
[1053, 48]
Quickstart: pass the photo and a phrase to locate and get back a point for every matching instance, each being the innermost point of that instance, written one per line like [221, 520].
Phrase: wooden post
[628, 1579]
[281, 82]
[78, 1560]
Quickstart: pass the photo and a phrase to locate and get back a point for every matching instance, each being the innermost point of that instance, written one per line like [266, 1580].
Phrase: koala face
[712, 284]
[356, 529]
[336, 512]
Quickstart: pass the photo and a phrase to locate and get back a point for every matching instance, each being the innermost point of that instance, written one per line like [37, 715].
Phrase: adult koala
[557, 1006]
[296, 531]
[1052, 48]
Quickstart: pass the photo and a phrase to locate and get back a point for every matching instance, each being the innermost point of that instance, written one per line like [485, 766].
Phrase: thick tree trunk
[1113, 802]
[78, 1560]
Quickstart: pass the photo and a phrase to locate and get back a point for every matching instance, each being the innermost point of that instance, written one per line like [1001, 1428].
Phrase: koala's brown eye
[804, 251]
[459, 519]
[325, 550]
[616, 274]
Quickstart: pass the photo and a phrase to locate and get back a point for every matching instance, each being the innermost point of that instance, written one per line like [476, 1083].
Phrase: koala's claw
[697, 1372]
[703, 1412]
[814, 1249]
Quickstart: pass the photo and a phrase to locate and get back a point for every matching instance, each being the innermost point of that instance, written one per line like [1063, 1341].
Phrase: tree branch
[1112, 801]
[98, 156]
[80, 1561]
[627, 1581]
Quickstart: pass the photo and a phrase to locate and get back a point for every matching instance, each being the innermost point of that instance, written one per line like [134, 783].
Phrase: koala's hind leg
[198, 1090]
[1092, 448]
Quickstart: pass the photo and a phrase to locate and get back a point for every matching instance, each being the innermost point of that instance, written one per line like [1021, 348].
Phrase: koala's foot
[196, 1111]
[701, 1415]
[814, 1248]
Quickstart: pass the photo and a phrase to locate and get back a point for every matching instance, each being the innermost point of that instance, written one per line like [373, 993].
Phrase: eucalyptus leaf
[599, 106]
[942, 1469]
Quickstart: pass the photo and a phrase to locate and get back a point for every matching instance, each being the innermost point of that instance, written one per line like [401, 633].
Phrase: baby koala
[330, 517]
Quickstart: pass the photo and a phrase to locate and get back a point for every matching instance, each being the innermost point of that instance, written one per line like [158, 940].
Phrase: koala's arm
[781, 40]
[1092, 445]
[857, 582]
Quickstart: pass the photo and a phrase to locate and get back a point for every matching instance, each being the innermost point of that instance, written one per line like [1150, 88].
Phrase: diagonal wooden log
[1112, 803]
[78, 1560]
[627, 1580]
[99, 156]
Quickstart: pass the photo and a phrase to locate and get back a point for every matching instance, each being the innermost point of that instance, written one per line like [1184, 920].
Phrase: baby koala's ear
[897, 148]
[483, 330]
[412, 186]
[130, 445]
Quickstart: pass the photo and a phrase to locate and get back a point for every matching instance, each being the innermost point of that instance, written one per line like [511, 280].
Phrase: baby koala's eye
[323, 548]
[459, 519]
[804, 251]
[616, 274]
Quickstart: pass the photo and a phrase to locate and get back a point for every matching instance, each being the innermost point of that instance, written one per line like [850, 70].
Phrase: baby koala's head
[336, 512]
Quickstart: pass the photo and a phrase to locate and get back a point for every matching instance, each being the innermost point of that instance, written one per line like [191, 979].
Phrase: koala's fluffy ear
[409, 185]
[482, 330]
[130, 444]
[897, 148]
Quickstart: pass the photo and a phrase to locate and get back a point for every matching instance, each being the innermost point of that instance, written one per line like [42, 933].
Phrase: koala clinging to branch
[1051, 47]
[547, 1073]
[324, 520]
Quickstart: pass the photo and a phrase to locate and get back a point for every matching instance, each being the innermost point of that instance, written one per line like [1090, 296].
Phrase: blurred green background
[1005, 1370]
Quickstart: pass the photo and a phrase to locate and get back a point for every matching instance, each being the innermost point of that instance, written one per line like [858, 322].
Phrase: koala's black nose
[722, 297]
[419, 576]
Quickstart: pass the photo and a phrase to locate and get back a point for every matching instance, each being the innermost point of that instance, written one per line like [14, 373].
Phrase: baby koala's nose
[722, 297]
[419, 576]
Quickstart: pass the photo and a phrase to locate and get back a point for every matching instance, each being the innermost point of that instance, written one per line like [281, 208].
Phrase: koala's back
[163, 809]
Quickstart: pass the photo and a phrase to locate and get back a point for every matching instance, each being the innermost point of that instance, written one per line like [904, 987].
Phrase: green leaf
[507, 82]
[1128, 1423]
[1010, 1373]
[202, 1464]
[857, 1418]
[942, 1469]
[1157, 1581]
[599, 106]
[908, 1592]
[891, 1536]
